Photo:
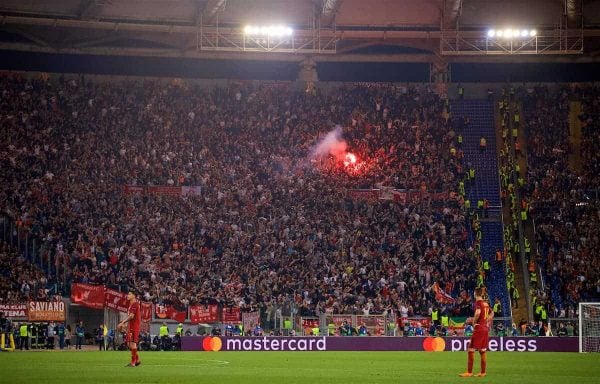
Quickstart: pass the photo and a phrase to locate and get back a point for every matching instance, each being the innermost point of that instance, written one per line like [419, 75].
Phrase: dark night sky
[400, 72]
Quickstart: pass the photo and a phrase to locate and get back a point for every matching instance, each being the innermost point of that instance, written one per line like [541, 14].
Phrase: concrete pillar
[308, 71]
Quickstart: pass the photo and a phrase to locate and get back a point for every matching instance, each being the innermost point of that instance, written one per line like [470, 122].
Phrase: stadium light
[268, 30]
[511, 33]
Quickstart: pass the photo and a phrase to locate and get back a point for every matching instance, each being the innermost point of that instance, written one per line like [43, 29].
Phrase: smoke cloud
[331, 144]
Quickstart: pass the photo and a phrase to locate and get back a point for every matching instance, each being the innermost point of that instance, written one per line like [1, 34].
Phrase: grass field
[294, 367]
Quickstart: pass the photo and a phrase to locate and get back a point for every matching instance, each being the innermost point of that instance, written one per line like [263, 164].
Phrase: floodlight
[508, 33]
[524, 33]
[500, 33]
[268, 30]
[532, 33]
[491, 33]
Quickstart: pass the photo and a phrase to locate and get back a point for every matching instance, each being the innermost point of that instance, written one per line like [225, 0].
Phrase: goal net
[589, 327]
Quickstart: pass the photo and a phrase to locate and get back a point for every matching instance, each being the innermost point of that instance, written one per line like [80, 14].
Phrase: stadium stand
[565, 201]
[256, 235]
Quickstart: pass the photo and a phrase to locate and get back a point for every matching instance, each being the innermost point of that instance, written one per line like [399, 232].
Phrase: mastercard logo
[212, 344]
[434, 344]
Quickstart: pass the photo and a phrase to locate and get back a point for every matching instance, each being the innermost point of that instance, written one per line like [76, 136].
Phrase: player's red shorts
[133, 335]
[480, 338]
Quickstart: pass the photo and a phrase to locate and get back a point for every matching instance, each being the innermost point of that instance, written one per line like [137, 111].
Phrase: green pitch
[294, 367]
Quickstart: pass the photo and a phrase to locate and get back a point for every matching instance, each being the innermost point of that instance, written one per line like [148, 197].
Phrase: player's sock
[483, 356]
[470, 361]
[133, 356]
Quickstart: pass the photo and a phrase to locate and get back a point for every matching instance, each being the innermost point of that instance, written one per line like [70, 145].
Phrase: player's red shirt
[484, 313]
[134, 308]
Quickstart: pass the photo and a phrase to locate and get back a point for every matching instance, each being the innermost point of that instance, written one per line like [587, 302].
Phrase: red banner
[133, 190]
[365, 194]
[46, 311]
[232, 315]
[164, 190]
[116, 300]
[204, 313]
[191, 191]
[169, 312]
[401, 196]
[441, 296]
[91, 296]
[250, 319]
[146, 312]
[14, 311]
[310, 323]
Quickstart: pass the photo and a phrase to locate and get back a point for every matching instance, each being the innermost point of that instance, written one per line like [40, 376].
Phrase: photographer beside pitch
[132, 321]
[481, 319]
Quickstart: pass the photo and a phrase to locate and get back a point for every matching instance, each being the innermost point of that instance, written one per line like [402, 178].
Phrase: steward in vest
[527, 248]
[533, 279]
[480, 278]
[179, 330]
[486, 267]
[515, 296]
[445, 320]
[497, 308]
[538, 312]
[23, 337]
[479, 204]
[544, 315]
[163, 332]
[435, 316]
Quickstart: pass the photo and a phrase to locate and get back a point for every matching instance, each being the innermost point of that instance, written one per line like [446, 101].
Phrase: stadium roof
[335, 30]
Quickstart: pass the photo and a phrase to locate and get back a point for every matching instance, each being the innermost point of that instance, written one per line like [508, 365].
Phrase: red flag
[91, 296]
[116, 300]
[204, 313]
[441, 296]
[146, 312]
[232, 315]
[169, 312]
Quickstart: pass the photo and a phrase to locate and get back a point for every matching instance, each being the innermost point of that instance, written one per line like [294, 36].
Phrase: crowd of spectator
[270, 226]
[564, 195]
[20, 280]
